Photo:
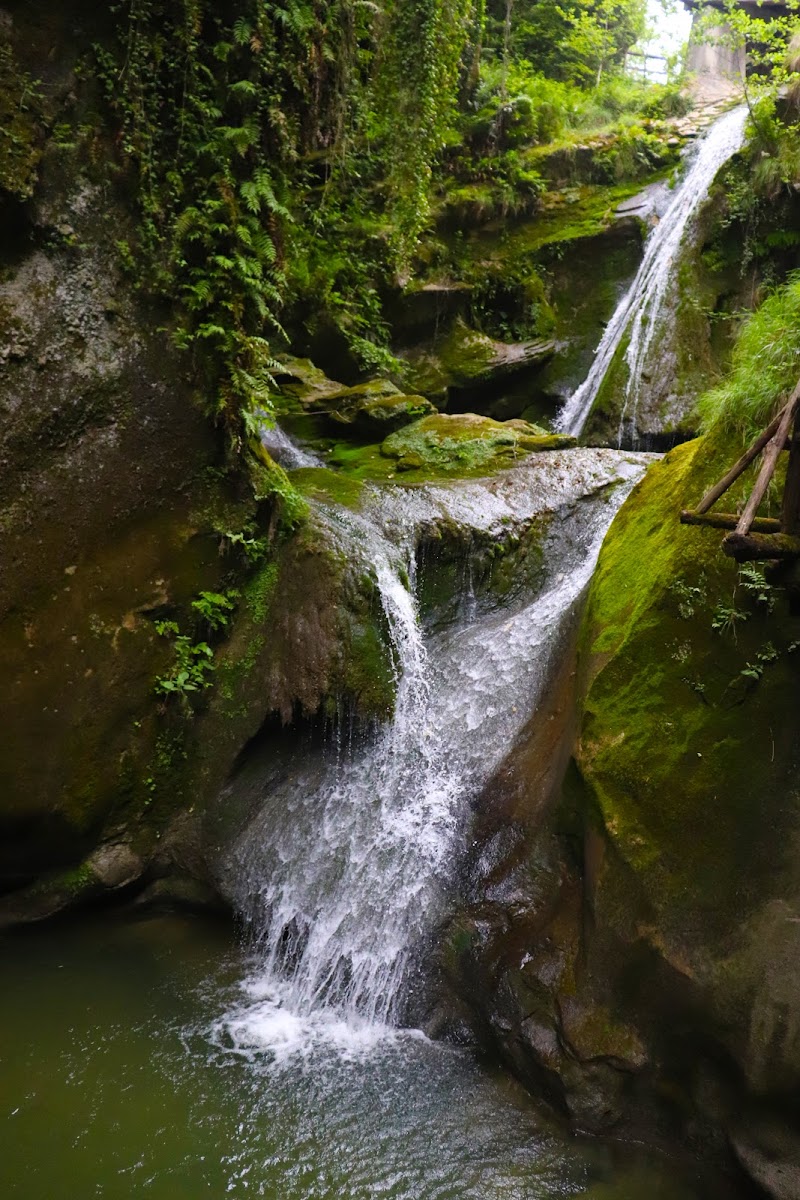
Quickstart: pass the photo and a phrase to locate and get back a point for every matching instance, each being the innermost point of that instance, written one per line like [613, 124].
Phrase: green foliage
[20, 114]
[768, 42]
[254, 548]
[419, 70]
[758, 592]
[191, 667]
[765, 366]
[284, 156]
[520, 105]
[215, 608]
[574, 40]
[690, 597]
[755, 669]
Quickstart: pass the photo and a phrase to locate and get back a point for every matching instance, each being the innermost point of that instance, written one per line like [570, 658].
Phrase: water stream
[159, 1058]
[644, 309]
[344, 871]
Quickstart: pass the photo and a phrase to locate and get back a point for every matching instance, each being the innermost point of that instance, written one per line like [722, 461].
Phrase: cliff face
[102, 452]
[120, 506]
[635, 950]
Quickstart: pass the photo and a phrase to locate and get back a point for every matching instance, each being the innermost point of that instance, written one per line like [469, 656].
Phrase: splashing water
[341, 876]
[641, 312]
[285, 450]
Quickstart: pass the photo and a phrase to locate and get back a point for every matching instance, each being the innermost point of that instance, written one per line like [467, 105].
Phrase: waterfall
[349, 864]
[285, 450]
[640, 314]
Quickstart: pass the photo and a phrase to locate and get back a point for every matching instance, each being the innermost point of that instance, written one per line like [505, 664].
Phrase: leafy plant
[215, 608]
[689, 596]
[754, 670]
[192, 664]
[726, 617]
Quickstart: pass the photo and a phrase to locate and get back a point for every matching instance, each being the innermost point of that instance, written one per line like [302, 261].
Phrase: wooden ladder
[752, 537]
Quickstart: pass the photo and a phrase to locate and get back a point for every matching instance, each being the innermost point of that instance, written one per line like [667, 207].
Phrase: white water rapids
[348, 865]
[644, 308]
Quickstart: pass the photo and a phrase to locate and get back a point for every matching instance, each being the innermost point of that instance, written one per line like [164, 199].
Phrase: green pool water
[124, 1075]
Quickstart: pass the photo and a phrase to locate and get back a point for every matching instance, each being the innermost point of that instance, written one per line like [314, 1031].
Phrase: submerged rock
[464, 441]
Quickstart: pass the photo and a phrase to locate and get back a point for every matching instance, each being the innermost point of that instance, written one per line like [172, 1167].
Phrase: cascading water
[285, 449]
[641, 312]
[347, 867]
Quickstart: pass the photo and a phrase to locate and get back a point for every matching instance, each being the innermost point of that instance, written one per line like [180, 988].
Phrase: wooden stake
[790, 515]
[752, 452]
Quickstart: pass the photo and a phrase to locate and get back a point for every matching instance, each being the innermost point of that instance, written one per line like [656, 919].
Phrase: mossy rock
[690, 761]
[465, 440]
[372, 409]
[302, 385]
[375, 408]
[466, 358]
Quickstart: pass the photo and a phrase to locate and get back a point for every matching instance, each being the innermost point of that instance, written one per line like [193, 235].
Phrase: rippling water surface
[134, 1062]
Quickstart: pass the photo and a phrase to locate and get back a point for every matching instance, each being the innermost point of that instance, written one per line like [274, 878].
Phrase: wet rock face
[99, 444]
[634, 942]
[118, 508]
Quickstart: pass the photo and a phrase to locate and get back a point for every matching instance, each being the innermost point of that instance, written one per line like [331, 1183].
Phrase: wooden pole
[760, 546]
[752, 452]
[718, 520]
[790, 515]
[768, 464]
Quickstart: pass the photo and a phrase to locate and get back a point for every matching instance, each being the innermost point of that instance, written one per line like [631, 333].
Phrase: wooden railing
[754, 537]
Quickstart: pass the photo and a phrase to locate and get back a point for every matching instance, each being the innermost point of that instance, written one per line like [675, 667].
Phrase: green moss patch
[685, 744]
[452, 443]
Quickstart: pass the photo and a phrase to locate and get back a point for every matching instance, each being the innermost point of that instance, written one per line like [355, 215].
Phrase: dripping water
[643, 310]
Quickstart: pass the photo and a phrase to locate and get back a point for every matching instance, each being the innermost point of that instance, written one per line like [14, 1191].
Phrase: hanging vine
[420, 63]
[215, 106]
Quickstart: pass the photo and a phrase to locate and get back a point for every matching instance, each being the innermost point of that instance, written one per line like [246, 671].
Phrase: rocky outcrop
[371, 410]
[124, 515]
[466, 442]
[630, 941]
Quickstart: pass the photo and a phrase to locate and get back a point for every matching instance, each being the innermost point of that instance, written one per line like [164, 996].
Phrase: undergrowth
[765, 366]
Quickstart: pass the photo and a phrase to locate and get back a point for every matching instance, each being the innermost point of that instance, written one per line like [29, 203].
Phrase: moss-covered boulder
[466, 358]
[465, 441]
[642, 952]
[376, 407]
[371, 409]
